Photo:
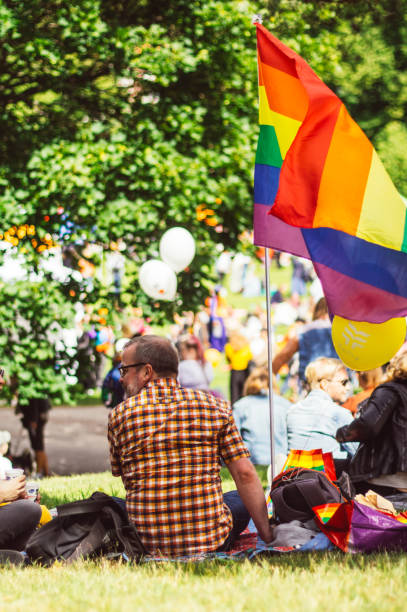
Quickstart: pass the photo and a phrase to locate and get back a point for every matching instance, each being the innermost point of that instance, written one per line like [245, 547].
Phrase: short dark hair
[159, 352]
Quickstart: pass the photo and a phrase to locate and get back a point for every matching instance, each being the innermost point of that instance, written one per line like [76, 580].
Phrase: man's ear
[149, 372]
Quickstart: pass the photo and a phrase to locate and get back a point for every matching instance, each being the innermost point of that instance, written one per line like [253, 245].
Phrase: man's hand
[10, 490]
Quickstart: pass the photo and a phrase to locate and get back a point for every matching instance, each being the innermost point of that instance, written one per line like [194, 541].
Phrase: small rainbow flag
[326, 512]
[313, 459]
[321, 191]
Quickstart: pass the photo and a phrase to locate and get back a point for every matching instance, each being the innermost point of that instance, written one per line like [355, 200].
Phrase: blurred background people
[216, 324]
[239, 355]
[112, 390]
[313, 421]
[193, 371]
[368, 380]
[34, 418]
[381, 428]
[252, 417]
[313, 340]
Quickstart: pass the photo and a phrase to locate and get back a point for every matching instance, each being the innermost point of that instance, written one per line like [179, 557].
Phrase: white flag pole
[269, 354]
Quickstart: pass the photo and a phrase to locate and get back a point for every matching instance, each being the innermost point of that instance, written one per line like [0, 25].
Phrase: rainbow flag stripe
[321, 191]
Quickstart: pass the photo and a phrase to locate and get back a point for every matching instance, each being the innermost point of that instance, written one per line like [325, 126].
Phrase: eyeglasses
[123, 369]
[343, 382]
[1, 372]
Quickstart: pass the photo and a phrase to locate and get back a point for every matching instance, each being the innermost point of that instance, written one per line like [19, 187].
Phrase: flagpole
[269, 354]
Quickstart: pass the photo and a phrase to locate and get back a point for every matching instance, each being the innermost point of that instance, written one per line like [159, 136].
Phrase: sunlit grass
[314, 581]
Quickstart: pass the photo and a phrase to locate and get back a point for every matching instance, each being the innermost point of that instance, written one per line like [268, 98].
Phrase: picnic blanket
[249, 546]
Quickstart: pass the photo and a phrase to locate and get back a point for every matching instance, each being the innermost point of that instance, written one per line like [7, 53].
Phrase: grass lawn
[294, 582]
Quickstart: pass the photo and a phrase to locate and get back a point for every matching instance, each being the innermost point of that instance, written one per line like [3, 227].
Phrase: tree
[122, 119]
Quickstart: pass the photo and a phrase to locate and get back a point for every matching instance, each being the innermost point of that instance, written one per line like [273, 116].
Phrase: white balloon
[158, 280]
[177, 248]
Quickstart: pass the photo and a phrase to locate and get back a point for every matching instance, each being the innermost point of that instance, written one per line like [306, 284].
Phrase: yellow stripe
[286, 128]
[383, 211]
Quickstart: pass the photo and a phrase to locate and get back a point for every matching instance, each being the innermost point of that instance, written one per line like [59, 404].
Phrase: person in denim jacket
[252, 417]
[313, 421]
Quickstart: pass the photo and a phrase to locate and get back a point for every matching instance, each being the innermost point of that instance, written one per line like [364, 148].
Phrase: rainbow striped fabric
[313, 459]
[326, 512]
[321, 191]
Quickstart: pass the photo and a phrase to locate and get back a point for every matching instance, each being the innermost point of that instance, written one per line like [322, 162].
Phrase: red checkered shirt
[166, 443]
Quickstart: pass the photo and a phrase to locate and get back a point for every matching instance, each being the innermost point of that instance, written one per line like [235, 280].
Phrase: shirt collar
[162, 383]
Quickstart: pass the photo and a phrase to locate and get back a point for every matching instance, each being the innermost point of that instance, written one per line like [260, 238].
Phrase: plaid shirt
[166, 443]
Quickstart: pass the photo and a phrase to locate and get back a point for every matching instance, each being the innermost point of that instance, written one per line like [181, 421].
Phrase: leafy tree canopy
[122, 119]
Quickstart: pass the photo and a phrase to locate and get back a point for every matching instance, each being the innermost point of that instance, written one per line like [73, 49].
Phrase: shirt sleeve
[113, 450]
[231, 444]
[372, 418]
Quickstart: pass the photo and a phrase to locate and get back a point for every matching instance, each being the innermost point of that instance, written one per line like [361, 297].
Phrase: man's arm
[252, 495]
[285, 354]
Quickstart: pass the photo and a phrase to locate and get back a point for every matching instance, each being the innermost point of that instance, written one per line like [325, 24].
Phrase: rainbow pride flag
[326, 512]
[321, 191]
[313, 459]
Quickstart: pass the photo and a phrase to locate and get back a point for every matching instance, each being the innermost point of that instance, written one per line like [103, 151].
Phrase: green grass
[293, 582]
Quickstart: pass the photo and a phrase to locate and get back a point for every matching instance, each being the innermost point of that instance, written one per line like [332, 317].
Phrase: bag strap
[94, 503]
[85, 506]
[90, 543]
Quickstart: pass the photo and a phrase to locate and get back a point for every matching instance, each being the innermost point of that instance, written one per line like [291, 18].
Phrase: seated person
[368, 380]
[313, 421]
[167, 443]
[380, 463]
[19, 517]
[252, 417]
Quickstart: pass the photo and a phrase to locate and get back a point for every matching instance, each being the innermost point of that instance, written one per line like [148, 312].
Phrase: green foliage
[122, 118]
[32, 348]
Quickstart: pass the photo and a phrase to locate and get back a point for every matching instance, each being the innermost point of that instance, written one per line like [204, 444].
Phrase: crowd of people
[171, 428]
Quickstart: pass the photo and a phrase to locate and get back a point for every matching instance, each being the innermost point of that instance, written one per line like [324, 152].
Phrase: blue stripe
[266, 181]
[369, 263]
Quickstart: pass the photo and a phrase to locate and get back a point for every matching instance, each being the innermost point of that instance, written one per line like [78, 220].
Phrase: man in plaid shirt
[167, 443]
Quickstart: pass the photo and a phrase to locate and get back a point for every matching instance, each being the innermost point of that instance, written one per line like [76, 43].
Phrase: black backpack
[85, 529]
[295, 492]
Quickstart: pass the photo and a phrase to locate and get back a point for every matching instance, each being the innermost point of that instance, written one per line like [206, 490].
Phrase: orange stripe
[259, 67]
[344, 177]
[285, 93]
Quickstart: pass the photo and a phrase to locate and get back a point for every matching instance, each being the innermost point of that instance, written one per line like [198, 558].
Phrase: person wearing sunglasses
[313, 421]
[380, 463]
[167, 443]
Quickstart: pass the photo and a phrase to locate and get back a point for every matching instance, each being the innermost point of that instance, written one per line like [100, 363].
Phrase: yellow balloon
[213, 356]
[364, 346]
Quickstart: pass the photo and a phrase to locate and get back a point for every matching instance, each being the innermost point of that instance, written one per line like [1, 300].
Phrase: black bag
[85, 529]
[295, 492]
